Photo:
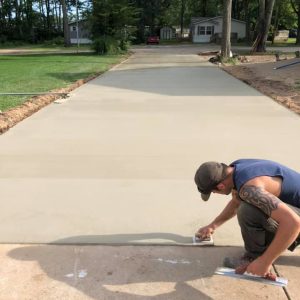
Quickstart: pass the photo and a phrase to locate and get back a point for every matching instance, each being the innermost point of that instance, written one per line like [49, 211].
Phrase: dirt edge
[266, 87]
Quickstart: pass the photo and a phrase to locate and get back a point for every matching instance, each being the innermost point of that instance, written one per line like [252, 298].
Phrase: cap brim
[205, 197]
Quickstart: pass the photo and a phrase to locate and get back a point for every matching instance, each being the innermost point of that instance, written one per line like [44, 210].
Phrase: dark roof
[79, 21]
[195, 20]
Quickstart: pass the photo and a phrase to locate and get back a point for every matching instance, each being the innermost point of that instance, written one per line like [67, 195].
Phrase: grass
[175, 42]
[51, 44]
[45, 72]
[289, 43]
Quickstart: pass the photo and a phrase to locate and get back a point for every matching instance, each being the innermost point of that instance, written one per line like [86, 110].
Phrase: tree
[226, 30]
[247, 20]
[110, 17]
[263, 25]
[67, 41]
[182, 12]
[296, 7]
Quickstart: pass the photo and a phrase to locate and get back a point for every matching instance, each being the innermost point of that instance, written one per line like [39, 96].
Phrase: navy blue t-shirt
[246, 169]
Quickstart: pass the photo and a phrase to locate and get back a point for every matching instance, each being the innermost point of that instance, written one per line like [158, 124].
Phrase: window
[74, 28]
[209, 30]
[201, 30]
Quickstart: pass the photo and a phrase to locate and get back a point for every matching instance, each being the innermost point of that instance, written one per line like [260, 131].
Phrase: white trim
[81, 41]
[211, 20]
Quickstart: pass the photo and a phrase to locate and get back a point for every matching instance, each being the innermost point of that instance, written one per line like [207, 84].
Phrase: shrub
[124, 45]
[3, 39]
[99, 46]
[106, 45]
[57, 41]
[112, 45]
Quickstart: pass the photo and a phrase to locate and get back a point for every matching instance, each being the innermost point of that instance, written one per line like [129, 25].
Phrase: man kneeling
[266, 200]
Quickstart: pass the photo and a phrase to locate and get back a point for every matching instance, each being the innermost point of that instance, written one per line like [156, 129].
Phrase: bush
[99, 46]
[57, 41]
[3, 39]
[9, 44]
[110, 45]
[124, 45]
[106, 45]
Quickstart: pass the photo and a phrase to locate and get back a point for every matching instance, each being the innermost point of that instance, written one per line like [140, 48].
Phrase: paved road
[115, 163]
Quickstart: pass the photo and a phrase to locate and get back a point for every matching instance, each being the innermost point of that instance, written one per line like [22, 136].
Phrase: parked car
[153, 39]
[293, 33]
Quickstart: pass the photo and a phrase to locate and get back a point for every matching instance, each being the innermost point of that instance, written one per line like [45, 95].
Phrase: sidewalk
[128, 272]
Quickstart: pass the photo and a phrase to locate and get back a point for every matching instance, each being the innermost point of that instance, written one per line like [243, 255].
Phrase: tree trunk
[29, 20]
[59, 17]
[55, 12]
[298, 29]
[247, 20]
[42, 13]
[276, 20]
[226, 31]
[18, 18]
[265, 15]
[296, 8]
[67, 41]
[182, 11]
[2, 16]
[47, 4]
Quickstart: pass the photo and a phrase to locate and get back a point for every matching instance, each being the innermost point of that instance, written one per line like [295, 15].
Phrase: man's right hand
[205, 231]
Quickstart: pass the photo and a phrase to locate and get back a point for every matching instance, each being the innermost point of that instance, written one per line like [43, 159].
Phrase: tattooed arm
[288, 225]
[227, 213]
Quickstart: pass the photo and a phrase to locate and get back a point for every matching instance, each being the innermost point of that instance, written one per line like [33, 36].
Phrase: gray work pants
[258, 230]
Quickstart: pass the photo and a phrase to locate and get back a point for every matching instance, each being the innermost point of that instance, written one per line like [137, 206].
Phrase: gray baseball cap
[208, 176]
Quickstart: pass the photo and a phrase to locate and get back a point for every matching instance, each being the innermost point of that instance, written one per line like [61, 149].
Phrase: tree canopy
[40, 20]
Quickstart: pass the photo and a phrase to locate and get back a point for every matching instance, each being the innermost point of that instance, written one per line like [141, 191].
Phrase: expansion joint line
[284, 288]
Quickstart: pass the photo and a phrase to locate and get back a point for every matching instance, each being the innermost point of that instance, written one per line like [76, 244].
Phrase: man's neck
[230, 172]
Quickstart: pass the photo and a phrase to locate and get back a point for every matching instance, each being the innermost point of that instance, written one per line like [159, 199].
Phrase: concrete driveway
[115, 164]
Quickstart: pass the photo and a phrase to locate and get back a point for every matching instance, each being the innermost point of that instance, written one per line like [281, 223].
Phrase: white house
[83, 32]
[204, 29]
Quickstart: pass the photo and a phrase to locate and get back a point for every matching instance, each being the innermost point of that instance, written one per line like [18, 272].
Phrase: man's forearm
[228, 212]
[285, 235]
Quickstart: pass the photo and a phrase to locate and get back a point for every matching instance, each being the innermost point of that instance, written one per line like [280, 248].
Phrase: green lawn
[41, 73]
[43, 46]
[289, 43]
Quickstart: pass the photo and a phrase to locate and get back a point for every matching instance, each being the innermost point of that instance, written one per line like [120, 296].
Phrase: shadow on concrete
[175, 81]
[288, 261]
[127, 239]
[129, 272]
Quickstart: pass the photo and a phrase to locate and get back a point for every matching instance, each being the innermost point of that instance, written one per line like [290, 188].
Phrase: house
[185, 32]
[83, 32]
[205, 30]
[281, 36]
[167, 33]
